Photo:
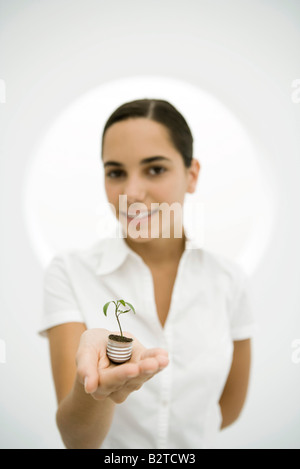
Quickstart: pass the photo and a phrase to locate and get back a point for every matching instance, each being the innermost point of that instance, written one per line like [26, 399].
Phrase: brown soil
[119, 338]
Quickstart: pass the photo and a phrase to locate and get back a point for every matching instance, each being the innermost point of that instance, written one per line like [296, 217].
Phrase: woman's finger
[154, 352]
[159, 354]
[87, 368]
[112, 377]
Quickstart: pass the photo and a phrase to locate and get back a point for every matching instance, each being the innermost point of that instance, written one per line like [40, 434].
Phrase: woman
[188, 375]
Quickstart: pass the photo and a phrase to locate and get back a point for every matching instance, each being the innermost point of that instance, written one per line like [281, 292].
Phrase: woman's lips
[140, 216]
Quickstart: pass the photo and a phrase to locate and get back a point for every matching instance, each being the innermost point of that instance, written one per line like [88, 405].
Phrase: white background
[244, 54]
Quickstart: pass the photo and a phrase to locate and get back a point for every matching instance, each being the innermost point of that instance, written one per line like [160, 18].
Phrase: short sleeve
[59, 301]
[242, 322]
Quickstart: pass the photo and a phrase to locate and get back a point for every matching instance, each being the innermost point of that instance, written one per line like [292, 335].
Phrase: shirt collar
[110, 253]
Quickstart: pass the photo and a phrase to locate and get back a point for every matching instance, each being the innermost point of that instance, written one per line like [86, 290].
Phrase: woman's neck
[159, 251]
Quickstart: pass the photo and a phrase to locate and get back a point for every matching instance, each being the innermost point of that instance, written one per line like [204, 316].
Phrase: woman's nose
[134, 189]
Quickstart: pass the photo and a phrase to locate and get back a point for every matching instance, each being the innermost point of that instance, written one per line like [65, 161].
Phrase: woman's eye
[117, 173]
[114, 173]
[155, 170]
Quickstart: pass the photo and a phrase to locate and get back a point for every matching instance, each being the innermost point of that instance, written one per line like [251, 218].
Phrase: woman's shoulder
[218, 263]
[98, 256]
[64, 253]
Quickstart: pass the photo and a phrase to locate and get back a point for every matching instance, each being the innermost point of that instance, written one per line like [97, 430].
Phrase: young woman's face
[142, 165]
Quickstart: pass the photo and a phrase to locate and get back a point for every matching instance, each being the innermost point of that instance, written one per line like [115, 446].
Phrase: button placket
[164, 336]
[150, 299]
[165, 341]
[165, 396]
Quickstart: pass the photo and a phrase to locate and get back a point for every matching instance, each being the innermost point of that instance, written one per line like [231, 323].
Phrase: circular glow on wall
[65, 205]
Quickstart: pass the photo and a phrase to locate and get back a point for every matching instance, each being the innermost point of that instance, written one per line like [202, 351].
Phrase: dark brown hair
[162, 112]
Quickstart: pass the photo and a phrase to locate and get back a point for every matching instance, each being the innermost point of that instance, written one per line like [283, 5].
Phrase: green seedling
[118, 312]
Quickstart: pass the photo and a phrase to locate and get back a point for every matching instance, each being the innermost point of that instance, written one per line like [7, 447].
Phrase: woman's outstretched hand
[102, 379]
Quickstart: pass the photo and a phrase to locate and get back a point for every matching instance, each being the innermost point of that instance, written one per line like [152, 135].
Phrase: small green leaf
[130, 306]
[105, 307]
[117, 311]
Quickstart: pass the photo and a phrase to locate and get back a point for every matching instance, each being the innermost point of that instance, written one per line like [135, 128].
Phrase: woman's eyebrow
[150, 159]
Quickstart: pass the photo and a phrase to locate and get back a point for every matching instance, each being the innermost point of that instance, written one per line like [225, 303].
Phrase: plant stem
[119, 322]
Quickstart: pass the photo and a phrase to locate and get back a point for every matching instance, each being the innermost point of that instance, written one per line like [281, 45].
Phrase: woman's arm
[235, 390]
[78, 414]
[88, 386]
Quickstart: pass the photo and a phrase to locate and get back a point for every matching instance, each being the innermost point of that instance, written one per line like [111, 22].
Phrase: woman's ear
[193, 174]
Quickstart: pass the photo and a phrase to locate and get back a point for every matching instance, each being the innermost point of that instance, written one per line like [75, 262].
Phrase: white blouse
[178, 407]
